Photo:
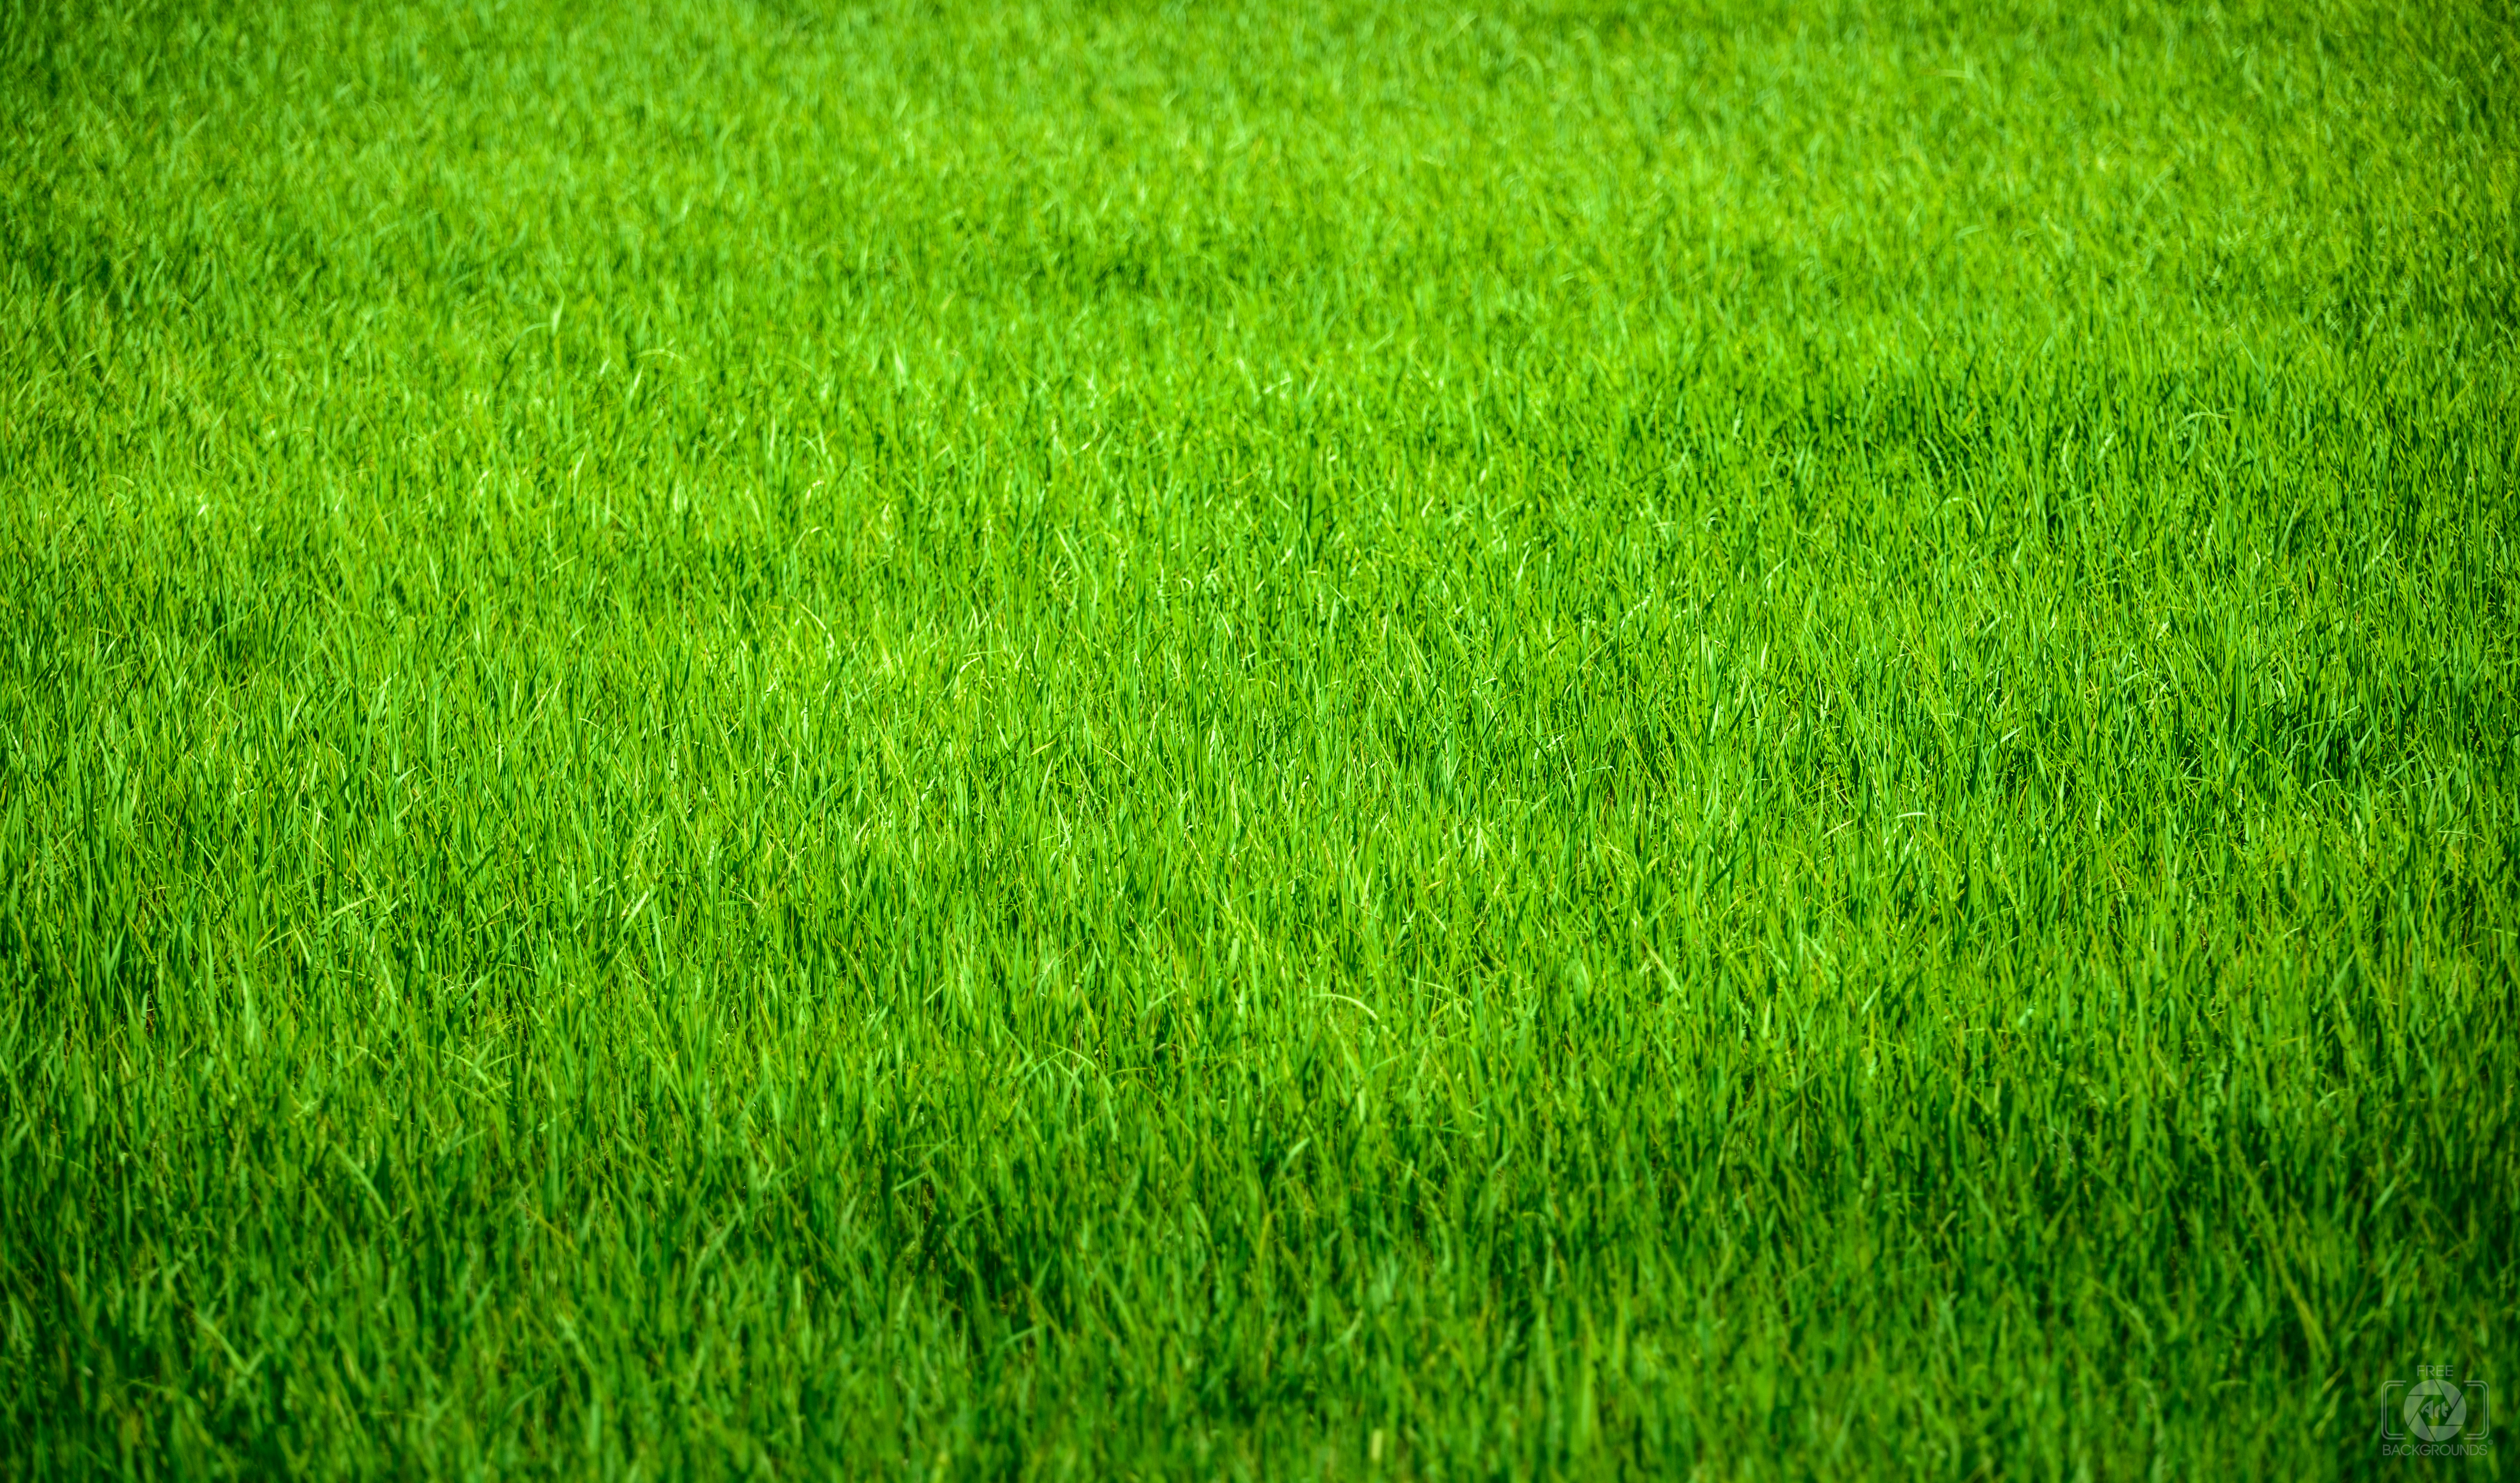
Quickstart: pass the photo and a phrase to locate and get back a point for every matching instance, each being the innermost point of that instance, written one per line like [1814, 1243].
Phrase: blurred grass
[749, 739]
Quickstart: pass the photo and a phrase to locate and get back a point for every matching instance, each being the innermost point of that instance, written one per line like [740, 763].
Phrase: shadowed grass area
[753, 739]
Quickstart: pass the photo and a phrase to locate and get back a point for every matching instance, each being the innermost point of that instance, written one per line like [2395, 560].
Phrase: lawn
[740, 738]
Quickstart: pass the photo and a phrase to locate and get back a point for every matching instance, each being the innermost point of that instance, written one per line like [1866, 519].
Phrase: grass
[751, 739]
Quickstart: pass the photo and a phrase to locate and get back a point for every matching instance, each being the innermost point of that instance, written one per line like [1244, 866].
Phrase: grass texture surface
[753, 739]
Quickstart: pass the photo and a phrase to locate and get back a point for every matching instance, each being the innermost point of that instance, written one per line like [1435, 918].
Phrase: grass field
[746, 740]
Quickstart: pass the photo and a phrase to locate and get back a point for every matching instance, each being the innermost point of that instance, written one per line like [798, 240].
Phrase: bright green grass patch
[751, 739]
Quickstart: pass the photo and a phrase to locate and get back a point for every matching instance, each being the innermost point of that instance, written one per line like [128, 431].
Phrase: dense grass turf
[759, 741]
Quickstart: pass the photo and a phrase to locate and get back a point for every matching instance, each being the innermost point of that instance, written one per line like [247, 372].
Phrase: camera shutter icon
[2435, 1410]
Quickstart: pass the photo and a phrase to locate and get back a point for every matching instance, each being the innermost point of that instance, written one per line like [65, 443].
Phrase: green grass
[751, 739]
